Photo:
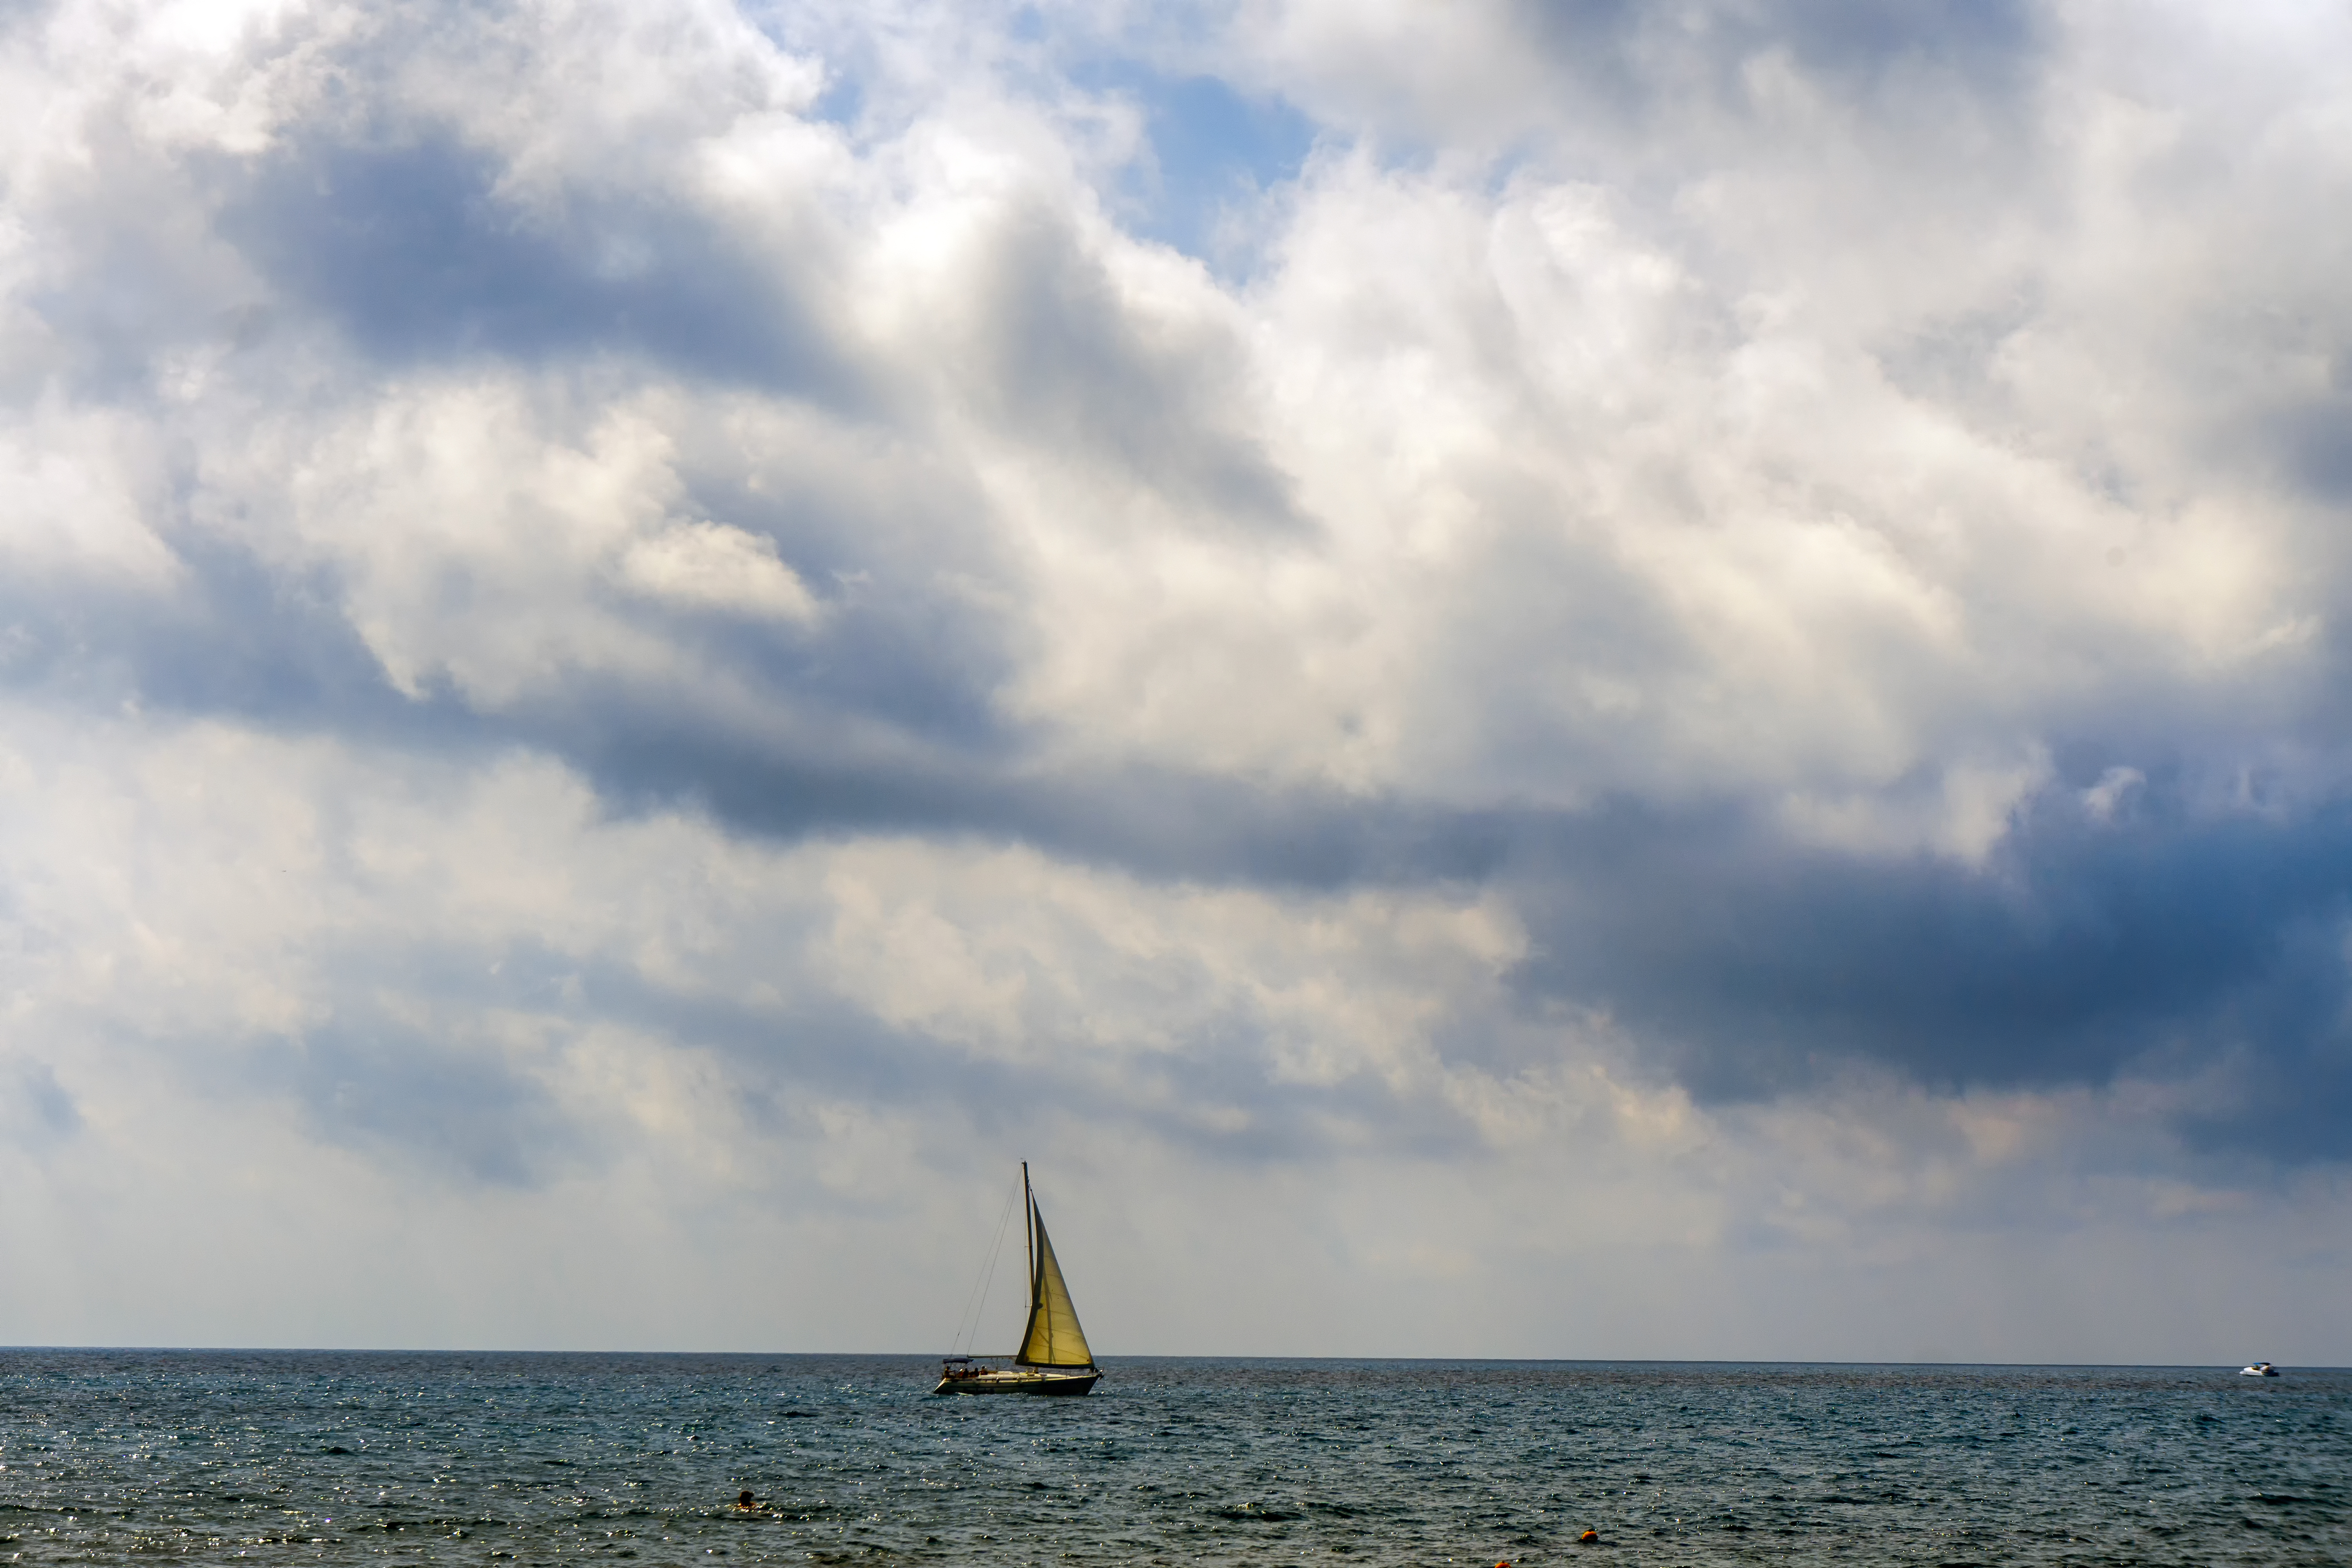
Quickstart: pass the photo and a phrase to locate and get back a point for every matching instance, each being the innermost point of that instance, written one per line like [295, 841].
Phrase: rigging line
[979, 1299]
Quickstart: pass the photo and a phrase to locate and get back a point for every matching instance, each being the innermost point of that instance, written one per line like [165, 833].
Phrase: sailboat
[1054, 1357]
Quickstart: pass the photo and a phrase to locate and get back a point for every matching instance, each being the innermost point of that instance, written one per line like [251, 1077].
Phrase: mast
[1029, 1232]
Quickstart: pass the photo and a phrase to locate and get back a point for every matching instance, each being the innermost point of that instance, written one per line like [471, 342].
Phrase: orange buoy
[1589, 1538]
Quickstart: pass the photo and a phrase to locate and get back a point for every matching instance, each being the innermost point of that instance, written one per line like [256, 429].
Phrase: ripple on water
[333, 1457]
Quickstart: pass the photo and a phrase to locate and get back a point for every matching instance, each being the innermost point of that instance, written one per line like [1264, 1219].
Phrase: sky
[1570, 679]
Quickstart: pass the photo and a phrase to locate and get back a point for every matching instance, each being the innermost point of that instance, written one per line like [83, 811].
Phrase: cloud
[2086, 951]
[723, 613]
[726, 568]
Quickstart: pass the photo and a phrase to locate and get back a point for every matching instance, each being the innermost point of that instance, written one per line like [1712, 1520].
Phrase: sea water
[345, 1457]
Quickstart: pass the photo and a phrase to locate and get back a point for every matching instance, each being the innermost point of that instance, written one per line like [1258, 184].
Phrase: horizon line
[1141, 1356]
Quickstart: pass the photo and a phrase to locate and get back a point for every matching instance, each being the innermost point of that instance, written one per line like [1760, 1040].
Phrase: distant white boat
[2260, 1369]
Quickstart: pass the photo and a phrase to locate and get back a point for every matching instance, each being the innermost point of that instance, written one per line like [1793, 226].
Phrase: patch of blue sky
[1213, 156]
[842, 102]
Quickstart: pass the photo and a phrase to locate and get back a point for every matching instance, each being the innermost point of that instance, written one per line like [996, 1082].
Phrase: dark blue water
[318, 1456]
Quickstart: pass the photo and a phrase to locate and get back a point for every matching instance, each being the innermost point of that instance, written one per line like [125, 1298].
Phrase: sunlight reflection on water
[331, 1456]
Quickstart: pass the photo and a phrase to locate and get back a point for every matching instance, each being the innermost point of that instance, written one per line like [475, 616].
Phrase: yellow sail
[1054, 1337]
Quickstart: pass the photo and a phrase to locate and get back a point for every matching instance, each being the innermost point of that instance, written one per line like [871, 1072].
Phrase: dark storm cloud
[1062, 360]
[893, 731]
[2169, 942]
[407, 245]
[903, 642]
[233, 639]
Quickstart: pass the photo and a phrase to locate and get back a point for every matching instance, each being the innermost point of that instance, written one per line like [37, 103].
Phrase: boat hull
[1022, 1380]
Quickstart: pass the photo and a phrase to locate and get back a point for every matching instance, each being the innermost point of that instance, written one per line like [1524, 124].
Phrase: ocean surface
[123, 1457]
